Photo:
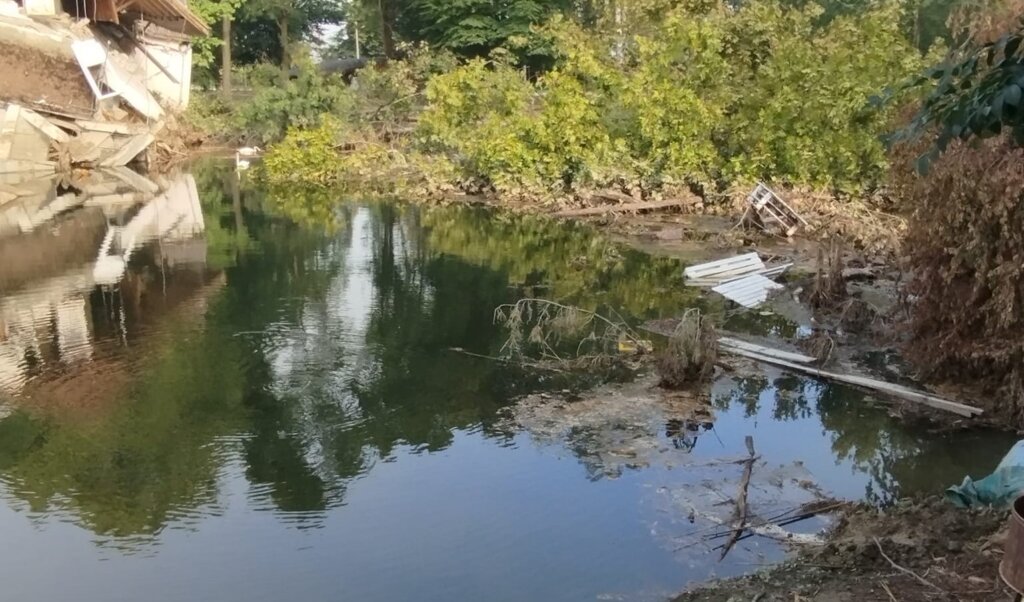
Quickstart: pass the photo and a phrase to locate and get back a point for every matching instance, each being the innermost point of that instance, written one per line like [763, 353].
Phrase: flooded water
[235, 394]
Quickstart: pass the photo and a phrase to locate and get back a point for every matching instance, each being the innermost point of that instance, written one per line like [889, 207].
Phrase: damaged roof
[171, 14]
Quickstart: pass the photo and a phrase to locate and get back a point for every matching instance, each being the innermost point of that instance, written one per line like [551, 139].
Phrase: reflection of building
[174, 215]
[48, 321]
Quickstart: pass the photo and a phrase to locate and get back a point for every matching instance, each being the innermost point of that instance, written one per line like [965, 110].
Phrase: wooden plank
[866, 383]
[130, 129]
[775, 270]
[129, 151]
[767, 351]
[619, 208]
[43, 125]
[66, 124]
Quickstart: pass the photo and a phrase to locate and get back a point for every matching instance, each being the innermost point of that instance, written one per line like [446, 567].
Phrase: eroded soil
[918, 551]
[40, 80]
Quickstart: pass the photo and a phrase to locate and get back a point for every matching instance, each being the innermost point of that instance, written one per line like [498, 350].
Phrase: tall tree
[225, 61]
[212, 11]
[293, 20]
[475, 27]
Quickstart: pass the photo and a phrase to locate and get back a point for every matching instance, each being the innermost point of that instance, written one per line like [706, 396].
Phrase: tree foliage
[211, 12]
[473, 28]
[709, 96]
[978, 92]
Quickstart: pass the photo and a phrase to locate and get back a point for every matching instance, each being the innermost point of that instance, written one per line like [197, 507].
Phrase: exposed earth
[917, 551]
[40, 80]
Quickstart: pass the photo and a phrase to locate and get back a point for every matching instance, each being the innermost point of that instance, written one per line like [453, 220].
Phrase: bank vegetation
[890, 107]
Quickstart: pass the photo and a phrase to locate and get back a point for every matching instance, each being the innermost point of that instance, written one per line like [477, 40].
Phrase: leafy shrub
[299, 103]
[708, 97]
[804, 115]
[306, 154]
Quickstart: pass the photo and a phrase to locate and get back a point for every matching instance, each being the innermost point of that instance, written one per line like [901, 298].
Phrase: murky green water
[259, 407]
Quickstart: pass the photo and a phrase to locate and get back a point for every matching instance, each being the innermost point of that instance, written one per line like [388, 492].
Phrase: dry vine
[548, 329]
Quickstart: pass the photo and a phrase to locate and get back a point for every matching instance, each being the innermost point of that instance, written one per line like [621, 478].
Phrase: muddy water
[251, 397]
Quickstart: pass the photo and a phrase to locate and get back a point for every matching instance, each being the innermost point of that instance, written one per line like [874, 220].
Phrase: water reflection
[216, 342]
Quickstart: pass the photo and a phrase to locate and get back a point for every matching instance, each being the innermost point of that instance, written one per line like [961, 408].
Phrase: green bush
[707, 96]
[299, 103]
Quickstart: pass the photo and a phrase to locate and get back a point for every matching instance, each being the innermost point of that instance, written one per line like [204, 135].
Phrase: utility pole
[356, 24]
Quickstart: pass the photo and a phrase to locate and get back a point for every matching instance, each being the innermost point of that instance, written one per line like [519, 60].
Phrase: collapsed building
[86, 88]
[90, 83]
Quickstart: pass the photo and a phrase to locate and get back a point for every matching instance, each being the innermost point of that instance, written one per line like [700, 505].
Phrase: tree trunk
[387, 34]
[286, 58]
[225, 57]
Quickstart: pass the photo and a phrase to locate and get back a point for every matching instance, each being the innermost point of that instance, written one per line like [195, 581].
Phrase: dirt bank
[37, 79]
[917, 551]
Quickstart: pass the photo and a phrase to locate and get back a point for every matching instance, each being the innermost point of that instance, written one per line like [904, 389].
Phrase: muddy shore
[917, 551]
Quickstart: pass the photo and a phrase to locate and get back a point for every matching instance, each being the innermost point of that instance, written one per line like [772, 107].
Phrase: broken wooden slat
[43, 125]
[129, 151]
[65, 124]
[619, 208]
[768, 351]
[749, 291]
[775, 270]
[112, 127]
[866, 383]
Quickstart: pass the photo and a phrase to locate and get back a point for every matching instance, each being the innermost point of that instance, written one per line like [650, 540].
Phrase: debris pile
[92, 89]
[915, 551]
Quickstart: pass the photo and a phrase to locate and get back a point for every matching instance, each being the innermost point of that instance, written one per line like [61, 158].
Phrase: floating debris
[717, 272]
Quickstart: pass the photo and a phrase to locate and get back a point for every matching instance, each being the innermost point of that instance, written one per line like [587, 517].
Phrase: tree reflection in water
[313, 343]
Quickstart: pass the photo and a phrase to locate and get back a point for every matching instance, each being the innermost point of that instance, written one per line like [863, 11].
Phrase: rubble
[93, 89]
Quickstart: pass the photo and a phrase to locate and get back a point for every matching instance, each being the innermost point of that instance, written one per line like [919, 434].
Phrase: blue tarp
[997, 489]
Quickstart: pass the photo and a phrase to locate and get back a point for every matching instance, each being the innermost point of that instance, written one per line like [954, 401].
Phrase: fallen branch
[505, 360]
[772, 527]
[906, 570]
[778, 533]
[888, 591]
[601, 210]
[740, 514]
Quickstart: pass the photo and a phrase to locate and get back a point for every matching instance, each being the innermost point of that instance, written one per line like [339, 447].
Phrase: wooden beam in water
[865, 382]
